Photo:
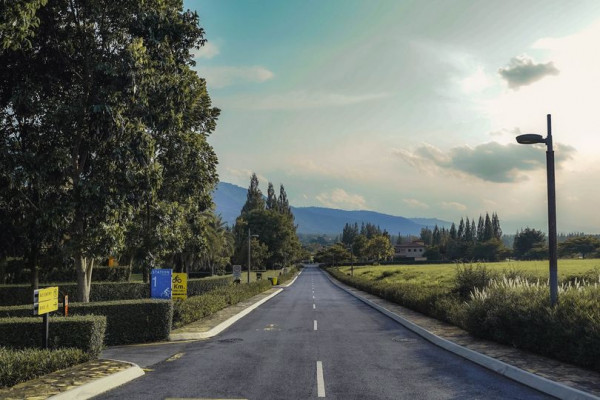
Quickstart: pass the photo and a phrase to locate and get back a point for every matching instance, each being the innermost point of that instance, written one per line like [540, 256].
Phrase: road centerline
[315, 325]
[320, 380]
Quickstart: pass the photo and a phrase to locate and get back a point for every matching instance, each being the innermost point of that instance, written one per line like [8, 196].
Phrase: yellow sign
[45, 300]
[111, 261]
[179, 287]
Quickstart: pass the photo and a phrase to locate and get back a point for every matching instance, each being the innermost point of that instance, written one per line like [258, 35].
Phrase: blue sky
[408, 107]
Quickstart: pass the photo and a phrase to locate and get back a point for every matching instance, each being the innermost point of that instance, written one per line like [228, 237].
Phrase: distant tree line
[367, 243]
[468, 241]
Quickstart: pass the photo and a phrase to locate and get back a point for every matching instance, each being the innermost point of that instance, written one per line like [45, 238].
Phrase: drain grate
[232, 340]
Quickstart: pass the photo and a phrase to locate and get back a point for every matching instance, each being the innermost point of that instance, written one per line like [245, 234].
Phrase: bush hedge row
[18, 366]
[106, 291]
[127, 321]
[83, 332]
[198, 307]
[510, 310]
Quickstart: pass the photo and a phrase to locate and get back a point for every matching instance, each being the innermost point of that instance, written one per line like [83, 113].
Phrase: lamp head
[530, 138]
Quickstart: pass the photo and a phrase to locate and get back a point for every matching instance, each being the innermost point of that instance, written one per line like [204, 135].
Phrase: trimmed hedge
[18, 366]
[198, 307]
[106, 291]
[21, 275]
[84, 332]
[131, 321]
[127, 321]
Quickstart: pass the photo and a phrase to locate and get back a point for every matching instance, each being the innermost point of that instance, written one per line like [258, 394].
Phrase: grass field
[443, 275]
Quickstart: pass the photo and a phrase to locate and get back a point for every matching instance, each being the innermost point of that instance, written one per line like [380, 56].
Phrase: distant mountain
[230, 199]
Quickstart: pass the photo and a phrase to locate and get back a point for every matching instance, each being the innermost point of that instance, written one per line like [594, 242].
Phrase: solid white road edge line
[537, 382]
[320, 380]
[223, 325]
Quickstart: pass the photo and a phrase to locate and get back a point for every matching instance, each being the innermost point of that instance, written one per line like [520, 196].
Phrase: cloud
[208, 51]
[491, 161]
[512, 133]
[242, 177]
[414, 203]
[339, 198]
[523, 71]
[219, 77]
[478, 81]
[453, 205]
[299, 100]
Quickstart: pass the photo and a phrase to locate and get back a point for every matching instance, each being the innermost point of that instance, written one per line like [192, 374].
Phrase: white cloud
[219, 77]
[414, 203]
[208, 51]
[242, 177]
[476, 82]
[453, 205]
[339, 198]
[298, 100]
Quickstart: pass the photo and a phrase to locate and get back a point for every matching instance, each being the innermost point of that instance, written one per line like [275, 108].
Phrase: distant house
[410, 250]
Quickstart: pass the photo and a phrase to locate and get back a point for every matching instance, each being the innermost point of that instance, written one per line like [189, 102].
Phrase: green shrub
[22, 365]
[105, 291]
[469, 278]
[130, 321]
[84, 332]
[198, 307]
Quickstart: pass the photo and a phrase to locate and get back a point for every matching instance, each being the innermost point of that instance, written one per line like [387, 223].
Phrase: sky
[409, 108]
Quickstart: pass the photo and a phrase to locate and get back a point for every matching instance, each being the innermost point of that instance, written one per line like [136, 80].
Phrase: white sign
[237, 272]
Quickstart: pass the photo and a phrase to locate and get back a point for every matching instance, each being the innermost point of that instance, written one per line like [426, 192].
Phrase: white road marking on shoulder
[320, 380]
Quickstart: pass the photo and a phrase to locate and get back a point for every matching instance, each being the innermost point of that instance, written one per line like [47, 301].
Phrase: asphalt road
[315, 340]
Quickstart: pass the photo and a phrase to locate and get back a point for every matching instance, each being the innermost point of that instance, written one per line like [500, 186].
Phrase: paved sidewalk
[556, 371]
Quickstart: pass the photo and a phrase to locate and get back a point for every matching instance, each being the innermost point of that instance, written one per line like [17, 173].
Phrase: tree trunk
[84, 267]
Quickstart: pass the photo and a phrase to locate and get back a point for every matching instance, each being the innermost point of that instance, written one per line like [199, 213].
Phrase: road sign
[180, 285]
[237, 272]
[45, 300]
[160, 283]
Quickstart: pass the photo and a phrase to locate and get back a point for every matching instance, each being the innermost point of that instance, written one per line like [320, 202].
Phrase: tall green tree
[108, 86]
[530, 244]
[271, 198]
[254, 197]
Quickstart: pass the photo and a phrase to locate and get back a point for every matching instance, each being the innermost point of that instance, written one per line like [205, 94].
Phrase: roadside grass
[444, 275]
[506, 302]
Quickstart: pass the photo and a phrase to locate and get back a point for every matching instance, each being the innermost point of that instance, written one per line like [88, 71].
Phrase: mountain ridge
[229, 200]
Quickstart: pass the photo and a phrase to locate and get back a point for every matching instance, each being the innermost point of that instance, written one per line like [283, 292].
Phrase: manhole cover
[232, 340]
[402, 339]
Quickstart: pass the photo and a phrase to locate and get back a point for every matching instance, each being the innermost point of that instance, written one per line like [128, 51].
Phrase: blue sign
[160, 283]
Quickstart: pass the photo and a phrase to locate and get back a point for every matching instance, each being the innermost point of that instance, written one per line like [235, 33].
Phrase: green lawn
[431, 275]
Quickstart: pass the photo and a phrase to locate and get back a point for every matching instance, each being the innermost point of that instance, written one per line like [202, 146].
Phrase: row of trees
[273, 241]
[103, 128]
[367, 243]
[469, 241]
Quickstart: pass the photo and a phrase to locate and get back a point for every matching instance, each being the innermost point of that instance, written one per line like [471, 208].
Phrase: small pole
[45, 332]
[552, 240]
[249, 239]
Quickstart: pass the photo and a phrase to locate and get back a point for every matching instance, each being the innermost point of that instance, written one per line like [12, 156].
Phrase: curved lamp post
[532, 138]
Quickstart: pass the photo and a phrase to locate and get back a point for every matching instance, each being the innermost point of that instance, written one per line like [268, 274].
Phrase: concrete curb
[223, 325]
[537, 382]
[101, 385]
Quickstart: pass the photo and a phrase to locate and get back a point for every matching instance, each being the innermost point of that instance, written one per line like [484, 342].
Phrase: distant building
[410, 250]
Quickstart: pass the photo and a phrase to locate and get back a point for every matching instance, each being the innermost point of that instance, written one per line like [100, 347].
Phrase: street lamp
[532, 138]
[249, 239]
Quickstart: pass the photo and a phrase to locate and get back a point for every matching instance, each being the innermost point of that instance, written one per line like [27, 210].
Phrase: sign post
[161, 281]
[44, 302]
[179, 285]
[237, 273]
